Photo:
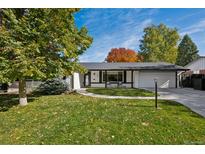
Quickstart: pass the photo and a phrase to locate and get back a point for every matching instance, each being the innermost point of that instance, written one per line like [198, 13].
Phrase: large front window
[113, 76]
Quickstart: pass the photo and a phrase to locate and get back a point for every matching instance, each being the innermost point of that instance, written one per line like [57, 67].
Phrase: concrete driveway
[194, 99]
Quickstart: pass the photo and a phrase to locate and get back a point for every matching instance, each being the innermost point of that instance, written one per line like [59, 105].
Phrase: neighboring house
[195, 77]
[134, 75]
[197, 66]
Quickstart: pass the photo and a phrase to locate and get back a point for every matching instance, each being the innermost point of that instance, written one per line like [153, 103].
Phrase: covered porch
[109, 78]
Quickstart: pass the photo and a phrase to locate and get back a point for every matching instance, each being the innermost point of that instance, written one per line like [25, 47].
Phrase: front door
[87, 80]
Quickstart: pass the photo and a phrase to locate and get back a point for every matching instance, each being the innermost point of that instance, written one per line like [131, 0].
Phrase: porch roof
[132, 66]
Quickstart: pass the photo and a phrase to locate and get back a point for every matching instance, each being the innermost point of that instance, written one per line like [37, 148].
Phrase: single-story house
[127, 74]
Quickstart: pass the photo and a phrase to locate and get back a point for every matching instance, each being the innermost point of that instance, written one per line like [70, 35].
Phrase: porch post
[132, 78]
[105, 78]
[89, 78]
[125, 75]
[84, 80]
[176, 79]
[100, 76]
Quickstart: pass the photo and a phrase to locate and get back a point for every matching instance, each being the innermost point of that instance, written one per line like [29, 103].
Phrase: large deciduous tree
[39, 44]
[159, 43]
[123, 55]
[187, 51]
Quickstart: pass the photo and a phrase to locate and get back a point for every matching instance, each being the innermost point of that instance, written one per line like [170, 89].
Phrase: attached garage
[165, 79]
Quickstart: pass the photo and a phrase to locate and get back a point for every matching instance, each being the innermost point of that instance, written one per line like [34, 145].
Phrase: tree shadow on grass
[191, 113]
[152, 104]
[134, 105]
[185, 109]
[170, 103]
[7, 101]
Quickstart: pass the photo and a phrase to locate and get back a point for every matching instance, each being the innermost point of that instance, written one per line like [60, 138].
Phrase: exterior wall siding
[95, 76]
[128, 76]
[76, 81]
[81, 76]
[127, 85]
[136, 79]
[98, 85]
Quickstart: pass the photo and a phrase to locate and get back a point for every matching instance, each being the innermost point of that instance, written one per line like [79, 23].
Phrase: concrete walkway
[85, 93]
[193, 99]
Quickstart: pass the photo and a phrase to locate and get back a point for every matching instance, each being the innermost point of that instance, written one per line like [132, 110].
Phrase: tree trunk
[0, 17]
[22, 92]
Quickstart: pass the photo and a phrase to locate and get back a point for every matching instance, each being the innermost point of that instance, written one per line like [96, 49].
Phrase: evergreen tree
[187, 51]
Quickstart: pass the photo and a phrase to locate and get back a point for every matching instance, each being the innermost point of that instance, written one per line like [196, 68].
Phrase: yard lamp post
[155, 83]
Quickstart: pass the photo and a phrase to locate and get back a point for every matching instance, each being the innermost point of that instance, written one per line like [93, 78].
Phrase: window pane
[119, 76]
[113, 76]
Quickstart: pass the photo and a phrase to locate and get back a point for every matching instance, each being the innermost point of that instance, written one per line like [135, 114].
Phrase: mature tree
[159, 43]
[123, 55]
[187, 51]
[39, 44]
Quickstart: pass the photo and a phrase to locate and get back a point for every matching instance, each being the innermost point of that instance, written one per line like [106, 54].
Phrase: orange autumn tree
[123, 55]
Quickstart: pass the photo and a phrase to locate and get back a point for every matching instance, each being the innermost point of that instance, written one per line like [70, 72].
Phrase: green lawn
[120, 91]
[76, 119]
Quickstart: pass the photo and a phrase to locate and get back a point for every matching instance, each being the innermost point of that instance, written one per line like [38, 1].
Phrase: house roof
[201, 57]
[132, 66]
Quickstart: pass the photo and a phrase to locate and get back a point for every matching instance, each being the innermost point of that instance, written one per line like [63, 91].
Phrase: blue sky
[114, 28]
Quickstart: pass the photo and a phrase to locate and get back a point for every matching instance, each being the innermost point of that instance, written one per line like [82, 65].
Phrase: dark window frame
[119, 78]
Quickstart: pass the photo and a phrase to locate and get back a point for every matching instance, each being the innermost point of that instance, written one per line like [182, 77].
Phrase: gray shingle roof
[131, 66]
[201, 57]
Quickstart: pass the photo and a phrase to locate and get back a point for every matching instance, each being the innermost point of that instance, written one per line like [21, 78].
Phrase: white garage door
[165, 79]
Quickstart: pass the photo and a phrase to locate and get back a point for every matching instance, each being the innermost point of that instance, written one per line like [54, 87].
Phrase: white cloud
[187, 16]
[130, 42]
[126, 37]
[195, 28]
[115, 28]
[133, 38]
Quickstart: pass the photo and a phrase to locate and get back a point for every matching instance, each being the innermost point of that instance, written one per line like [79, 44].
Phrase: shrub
[3, 108]
[51, 87]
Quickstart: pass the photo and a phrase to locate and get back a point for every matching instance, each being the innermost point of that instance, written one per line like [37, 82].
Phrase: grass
[76, 119]
[121, 91]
